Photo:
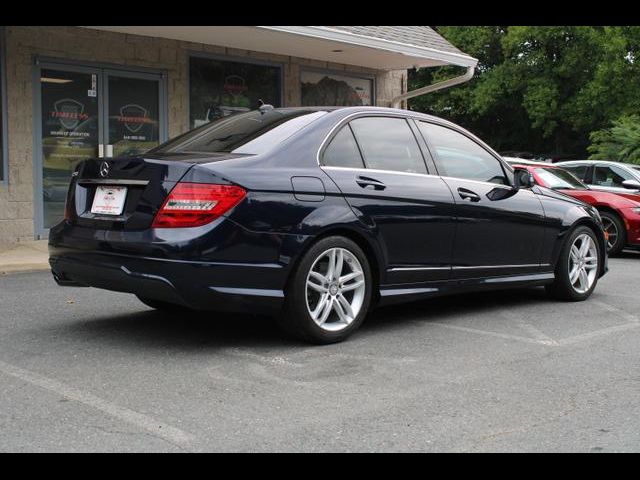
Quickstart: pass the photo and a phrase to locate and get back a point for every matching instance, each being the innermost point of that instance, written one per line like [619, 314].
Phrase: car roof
[600, 162]
[523, 162]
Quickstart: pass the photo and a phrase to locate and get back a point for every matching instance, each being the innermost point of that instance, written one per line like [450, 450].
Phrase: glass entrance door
[70, 132]
[133, 113]
[91, 112]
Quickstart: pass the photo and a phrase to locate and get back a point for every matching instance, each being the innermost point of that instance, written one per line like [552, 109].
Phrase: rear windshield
[252, 132]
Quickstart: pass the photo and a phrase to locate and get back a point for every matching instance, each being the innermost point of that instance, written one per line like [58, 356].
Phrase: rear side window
[460, 157]
[388, 144]
[343, 151]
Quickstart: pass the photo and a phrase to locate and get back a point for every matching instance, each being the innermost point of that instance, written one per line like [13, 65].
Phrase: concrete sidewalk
[24, 257]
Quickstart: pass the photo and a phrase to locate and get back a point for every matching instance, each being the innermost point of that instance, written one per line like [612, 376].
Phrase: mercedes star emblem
[104, 169]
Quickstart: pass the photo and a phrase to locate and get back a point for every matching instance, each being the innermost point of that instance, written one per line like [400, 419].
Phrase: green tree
[542, 89]
[620, 142]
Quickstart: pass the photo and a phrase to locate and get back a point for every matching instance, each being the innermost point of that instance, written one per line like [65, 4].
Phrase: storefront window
[218, 88]
[329, 89]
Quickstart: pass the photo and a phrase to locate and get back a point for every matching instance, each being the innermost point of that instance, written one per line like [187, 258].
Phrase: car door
[499, 230]
[378, 165]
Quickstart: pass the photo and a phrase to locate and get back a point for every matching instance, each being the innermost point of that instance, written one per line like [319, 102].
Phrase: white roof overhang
[318, 43]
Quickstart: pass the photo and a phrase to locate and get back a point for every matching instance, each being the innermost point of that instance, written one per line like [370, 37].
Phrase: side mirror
[631, 184]
[523, 179]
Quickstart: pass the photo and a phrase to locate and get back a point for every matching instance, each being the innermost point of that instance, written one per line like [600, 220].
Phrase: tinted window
[388, 144]
[579, 171]
[610, 177]
[461, 157]
[249, 133]
[343, 151]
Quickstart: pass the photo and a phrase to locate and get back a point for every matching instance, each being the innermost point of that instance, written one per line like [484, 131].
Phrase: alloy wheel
[335, 289]
[611, 228]
[583, 263]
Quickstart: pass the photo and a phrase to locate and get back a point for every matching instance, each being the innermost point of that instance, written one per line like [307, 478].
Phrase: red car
[620, 213]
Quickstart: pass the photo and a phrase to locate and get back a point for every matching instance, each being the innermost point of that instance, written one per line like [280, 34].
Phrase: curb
[25, 267]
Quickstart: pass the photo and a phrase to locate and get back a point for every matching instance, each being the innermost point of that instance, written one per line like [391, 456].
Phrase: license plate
[109, 200]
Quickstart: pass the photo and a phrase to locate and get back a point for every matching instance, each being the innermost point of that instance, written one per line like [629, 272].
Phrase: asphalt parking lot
[89, 370]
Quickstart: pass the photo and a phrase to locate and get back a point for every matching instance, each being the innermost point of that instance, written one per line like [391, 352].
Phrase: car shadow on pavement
[208, 331]
[450, 307]
[180, 331]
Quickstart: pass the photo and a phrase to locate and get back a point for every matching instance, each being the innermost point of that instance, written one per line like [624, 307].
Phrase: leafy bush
[620, 142]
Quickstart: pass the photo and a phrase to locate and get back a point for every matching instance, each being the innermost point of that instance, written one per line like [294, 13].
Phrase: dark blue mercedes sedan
[316, 215]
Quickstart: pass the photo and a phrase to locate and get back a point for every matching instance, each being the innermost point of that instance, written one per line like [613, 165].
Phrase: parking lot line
[159, 429]
[492, 334]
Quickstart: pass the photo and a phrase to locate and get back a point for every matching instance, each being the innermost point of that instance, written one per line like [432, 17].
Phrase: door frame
[102, 70]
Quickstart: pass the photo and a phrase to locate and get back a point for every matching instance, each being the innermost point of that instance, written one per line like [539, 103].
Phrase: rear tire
[329, 293]
[617, 233]
[161, 306]
[578, 266]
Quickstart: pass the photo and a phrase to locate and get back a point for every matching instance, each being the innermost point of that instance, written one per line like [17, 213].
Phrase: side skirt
[390, 294]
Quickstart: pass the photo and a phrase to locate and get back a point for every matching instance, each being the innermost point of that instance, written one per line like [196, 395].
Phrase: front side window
[605, 176]
[219, 88]
[388, 144]
[460, 157]
[343, 151]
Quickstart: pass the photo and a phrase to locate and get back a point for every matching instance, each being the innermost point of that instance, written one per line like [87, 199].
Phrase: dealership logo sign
[133, 117]
[69, 112]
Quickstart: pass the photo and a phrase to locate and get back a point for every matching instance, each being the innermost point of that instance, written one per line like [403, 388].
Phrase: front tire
[617, 234]
[578, 266]
[329, 293]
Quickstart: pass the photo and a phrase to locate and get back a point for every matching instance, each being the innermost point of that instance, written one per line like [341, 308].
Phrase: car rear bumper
[178, 273]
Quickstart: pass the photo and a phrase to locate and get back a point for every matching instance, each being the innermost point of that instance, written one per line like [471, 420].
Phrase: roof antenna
[264, 107]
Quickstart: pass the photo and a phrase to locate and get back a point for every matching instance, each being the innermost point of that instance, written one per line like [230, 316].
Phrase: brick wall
[81, 44]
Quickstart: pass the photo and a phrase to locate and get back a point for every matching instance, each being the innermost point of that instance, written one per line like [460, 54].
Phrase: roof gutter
[395, 102]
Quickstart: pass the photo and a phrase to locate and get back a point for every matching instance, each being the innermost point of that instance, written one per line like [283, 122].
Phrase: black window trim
[4, 162]
[354, 116]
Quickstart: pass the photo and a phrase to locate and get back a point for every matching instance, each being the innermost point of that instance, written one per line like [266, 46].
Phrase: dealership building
[70, 93]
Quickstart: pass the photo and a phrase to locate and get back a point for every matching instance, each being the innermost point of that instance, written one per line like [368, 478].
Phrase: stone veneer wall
[83, 44]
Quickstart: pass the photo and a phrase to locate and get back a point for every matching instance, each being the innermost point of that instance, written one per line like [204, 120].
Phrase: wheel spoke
[344, 303]
[342, 315]
[584, 247]
[584, 279]
[573, 275]
[326, 311]
[337, 270]
[353, 286]
[349, 276]
[321, 304]
[575, 253]
[317, 277]
[332, 264]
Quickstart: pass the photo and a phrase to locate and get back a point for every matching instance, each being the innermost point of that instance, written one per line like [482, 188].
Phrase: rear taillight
[195, 204]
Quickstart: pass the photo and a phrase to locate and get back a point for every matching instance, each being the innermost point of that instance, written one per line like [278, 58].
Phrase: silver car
[604, 175]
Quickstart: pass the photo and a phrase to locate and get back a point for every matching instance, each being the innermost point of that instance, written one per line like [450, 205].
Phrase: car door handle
[365, 182]
[468, 195]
